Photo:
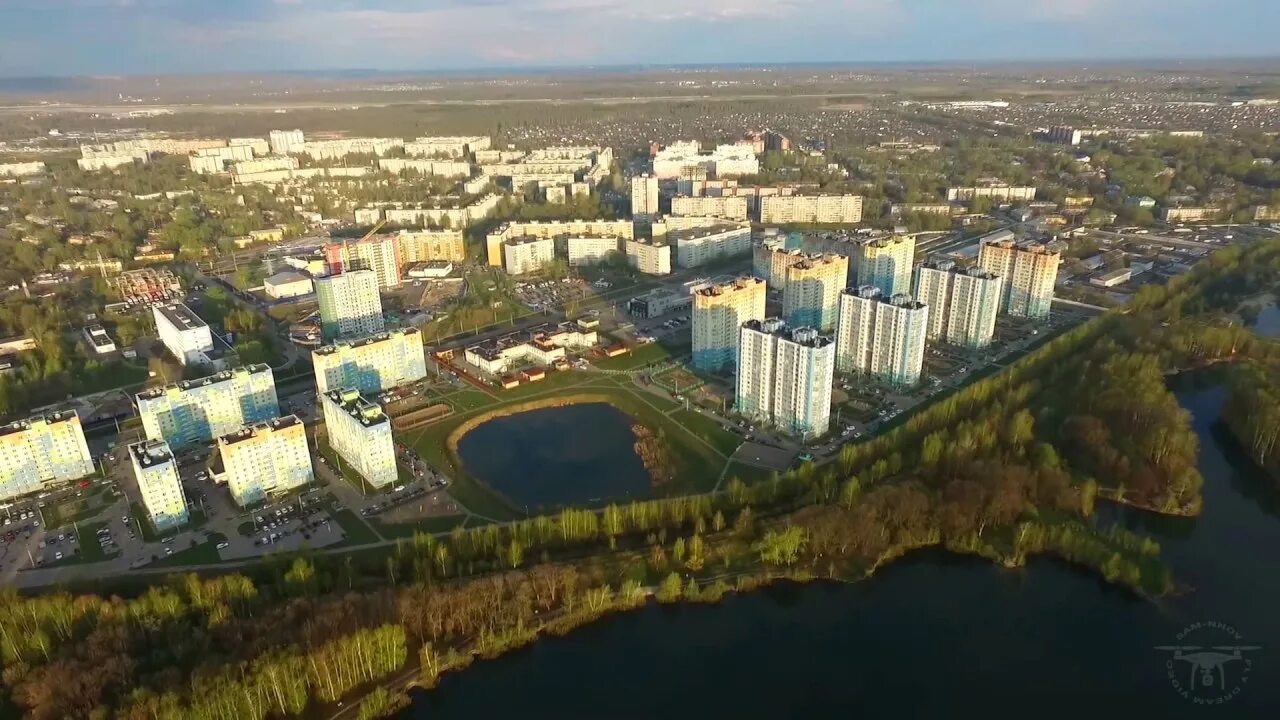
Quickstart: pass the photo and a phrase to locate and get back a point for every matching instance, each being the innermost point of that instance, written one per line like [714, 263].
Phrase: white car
[223, 545]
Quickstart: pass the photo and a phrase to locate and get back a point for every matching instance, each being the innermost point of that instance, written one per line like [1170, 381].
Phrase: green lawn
[465, 400]
[426, 525]
[353, 478]
[747, 473]
[202, 553]
[355, 531]
[709, 430]
[640, 356]
[65, 513]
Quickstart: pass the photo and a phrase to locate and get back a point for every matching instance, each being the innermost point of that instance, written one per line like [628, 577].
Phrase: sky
[112, 37]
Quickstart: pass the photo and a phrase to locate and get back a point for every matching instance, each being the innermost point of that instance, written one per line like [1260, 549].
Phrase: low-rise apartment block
[545, 346]
[729, 208]
[701, 245]
[649, 256]
[824, 209]
[523, 255]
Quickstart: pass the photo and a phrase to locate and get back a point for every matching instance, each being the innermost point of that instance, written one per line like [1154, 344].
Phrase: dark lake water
[1268, 323]
[576, 454]
[934, 636]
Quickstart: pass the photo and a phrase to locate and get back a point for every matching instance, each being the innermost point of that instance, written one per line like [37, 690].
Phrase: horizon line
[621, 66]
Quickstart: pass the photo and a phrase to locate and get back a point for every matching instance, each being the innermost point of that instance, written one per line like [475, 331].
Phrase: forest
[1252, 413]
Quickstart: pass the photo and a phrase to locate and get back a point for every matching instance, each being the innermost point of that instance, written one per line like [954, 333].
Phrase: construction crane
[346, 254]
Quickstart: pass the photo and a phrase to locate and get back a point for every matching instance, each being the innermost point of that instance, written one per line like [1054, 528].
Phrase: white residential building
[644, 196]
[784, 377]
[586, 250]
[183, 333]
[286, 142]
[350, 305]
[963, 304]
[360, 433]
[524, 255]
[371, 364]
[789, 209]
[42, 451]
[883, 337]
[651, 257]
[157, 474]
[194, 411]
[264, 460]
[727, 207]
[701, 245]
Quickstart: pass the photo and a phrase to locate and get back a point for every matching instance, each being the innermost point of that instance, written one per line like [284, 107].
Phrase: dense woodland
[1009, 467]
[1252, 413]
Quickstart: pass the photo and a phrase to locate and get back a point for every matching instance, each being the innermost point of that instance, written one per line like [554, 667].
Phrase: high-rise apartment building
[880, 336]
[157, 474]
[195, 411]
[644, 196]
[360, 433]
[379, 254]
[718, 313]
[264, 460]
[788, 209]
[811, 295]
[1030, 271]
[884, 262]
[40, 452]
[371, 364]
[784, 377]
[350, 305]
[963, 304]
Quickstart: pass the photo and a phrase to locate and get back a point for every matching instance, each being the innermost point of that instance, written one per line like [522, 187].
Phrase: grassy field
[465, 400]
[709, 429]
[355, 531]
[427, 525]
[640, 356]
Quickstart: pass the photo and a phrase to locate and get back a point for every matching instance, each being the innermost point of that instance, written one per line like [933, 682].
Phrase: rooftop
[185, 385]
[151, 452]
[371, 340]
[180, 316]
[706, 231]
[806, 336]
[249, 432]
[18, 426]
[350, 401]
